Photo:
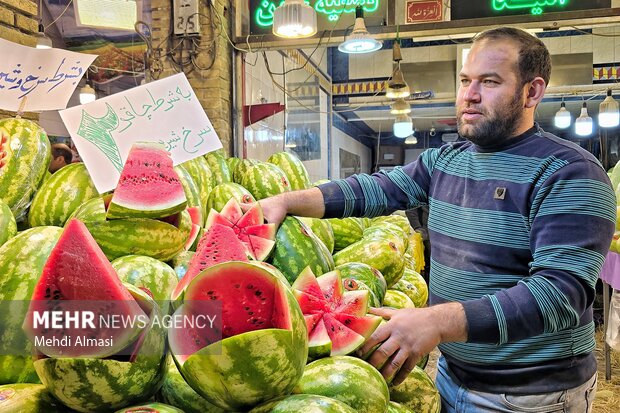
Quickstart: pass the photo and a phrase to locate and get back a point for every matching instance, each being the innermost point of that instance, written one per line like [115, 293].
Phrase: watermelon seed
[250, 287]
[250, 312]
[47, 293]
[158, 164]
[210, 292]
[237, 286]
[258, 293]
[246, 308]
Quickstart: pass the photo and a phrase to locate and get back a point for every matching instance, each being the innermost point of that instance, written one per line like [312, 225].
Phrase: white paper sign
[45, 77]
[166, 111]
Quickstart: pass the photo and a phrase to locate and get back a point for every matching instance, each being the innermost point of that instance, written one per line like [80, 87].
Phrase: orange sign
[423, 11]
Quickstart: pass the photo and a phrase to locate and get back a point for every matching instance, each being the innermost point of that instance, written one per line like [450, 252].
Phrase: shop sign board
[417, 11]
[39, 79]
[166, 111]
[467, 9]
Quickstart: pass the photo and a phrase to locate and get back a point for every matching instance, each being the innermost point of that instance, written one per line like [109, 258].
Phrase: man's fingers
[380, 335]
[394, 364]
[384, 312]
[380, 356]
[404, 371]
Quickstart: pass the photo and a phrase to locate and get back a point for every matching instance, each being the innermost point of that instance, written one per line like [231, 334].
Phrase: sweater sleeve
[381, 193]
[571, 223]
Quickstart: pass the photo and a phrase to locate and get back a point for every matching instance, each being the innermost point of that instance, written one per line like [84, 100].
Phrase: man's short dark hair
[62, 150]
[534, 58]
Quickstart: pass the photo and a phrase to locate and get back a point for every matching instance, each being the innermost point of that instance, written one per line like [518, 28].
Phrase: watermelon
[320, 182]
[150, 408]
[146, 272]
[104, 385]
[306, 403]
[176, 392]
[322, 229]
[8, 226]
[25, 153]
[336, 320]
[218, 165]
[264, 180]
[195, 214]
[256, 236]
[192, 192]
[28, 398]
[218, 244]
[388, 232]
[397, 299]
[264, 342]
[198, 169]
[60, 195]
[346, 231]
[78, 270]
[180, 263]
[384, 256]
[232, 165]
[394, 407]
[158, 239]
[348, 379]
[297, 248]
[414, 286]
[417, 392]
[21, 261]
[293, 168]
[241, 168]
[148, 187]
[223, 193]
[396, 219]
[360, 276]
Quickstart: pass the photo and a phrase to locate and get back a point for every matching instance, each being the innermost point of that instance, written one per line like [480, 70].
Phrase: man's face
[490, 101]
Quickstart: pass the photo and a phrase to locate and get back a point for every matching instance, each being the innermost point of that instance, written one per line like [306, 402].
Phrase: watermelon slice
[78, 279]
[149, 187]
[257, 237]
[196, 215]
[218, 244]
[336, 319]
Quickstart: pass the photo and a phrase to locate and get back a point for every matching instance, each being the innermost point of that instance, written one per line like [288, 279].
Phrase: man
[61, 156]
[519, 224]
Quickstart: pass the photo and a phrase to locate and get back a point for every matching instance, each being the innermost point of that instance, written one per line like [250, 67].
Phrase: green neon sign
[535, 6]
[263, 16]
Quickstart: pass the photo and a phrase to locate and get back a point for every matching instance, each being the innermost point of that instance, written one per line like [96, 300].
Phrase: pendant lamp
[294, 19]
[360, 41]
[583, 124]
[608, 112]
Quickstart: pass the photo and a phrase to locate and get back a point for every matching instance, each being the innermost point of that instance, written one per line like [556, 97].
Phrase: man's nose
[472, 92]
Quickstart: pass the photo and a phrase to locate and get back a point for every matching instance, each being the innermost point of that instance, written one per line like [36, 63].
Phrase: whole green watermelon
[8, 226]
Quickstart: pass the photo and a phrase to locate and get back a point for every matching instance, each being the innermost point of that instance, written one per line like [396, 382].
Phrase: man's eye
[489, 82]
[465, 81]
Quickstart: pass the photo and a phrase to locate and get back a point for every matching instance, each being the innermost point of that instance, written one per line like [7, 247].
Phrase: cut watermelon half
[148, 187]
[337, 320]
[196, 216]
[257, 237]
[78, 279]
[218, 244]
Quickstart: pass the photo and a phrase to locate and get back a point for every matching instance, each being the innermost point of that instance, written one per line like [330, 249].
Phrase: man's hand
[305, 203]
[274, 209]
[410, 334]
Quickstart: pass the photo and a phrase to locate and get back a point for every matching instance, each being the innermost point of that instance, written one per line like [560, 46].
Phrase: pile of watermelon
[289, 304]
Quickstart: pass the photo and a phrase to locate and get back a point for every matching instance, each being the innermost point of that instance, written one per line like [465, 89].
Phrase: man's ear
[535, 92]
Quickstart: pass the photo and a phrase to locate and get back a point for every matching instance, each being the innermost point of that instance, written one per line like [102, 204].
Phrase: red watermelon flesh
[343, 314]
[257, 237]
[195, 215]
[78, 278]
[218, 244]
[250, 298]
[148, 187]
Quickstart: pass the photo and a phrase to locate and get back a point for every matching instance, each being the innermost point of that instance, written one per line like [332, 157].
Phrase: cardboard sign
[166, 111]
[423, 11]
[46, 78]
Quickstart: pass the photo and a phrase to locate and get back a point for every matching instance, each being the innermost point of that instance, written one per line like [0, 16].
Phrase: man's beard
[495, 130]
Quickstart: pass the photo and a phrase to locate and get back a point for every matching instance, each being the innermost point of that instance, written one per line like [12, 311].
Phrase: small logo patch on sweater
[500, 193]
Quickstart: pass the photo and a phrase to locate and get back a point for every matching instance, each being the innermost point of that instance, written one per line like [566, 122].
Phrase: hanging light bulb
[294, 19]
[397, 87]
[562, 117]
[411, 140]
[360, 41]
[583, 124]
[87, 94]
[403, 126]
[43, 42]
[400, 107]
[608, 112]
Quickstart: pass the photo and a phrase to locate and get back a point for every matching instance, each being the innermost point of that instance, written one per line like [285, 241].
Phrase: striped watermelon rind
[307, 403]
[8, 226]
[367, 278]
[397, 299]
[418, 393]
[346, 231]
[176, 392]
[414, 286]
[21, 262]
[28, 398]
[28, 156]
[199, 170]
[297, 248]
[134, 236]
[265, 180]
[241, 168]
[192, 192]
[150, 408]
[218, 165]
[101, 385]
[294, 169]
[394, 407]
[348, 379]
[222, 193]
[60, 195]
[322, 229]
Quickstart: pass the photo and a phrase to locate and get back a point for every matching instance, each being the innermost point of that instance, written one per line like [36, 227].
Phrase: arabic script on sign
[423, 11]
[166, 111]
[46, 78]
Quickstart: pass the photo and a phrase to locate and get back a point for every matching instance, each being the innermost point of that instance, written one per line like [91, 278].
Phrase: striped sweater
[518, 234]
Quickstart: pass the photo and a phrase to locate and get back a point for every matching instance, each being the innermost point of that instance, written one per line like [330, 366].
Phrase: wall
[211, 76]
[344, 141]
[18, 23]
